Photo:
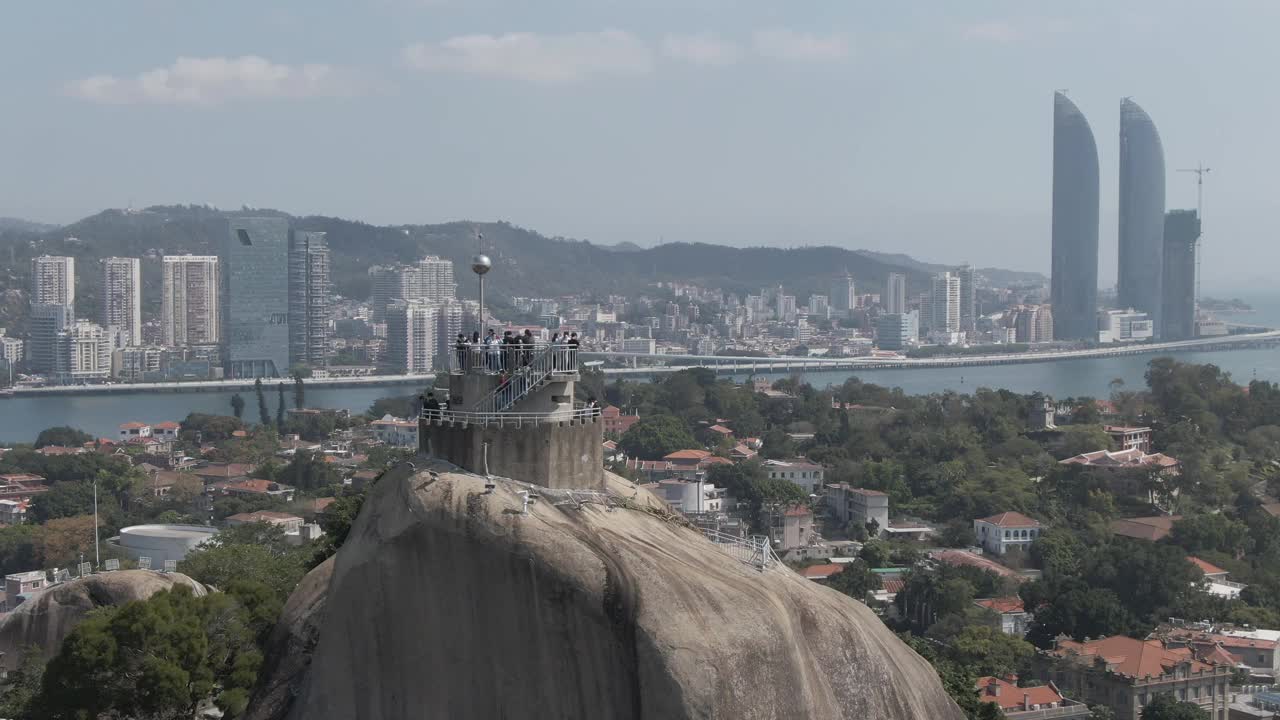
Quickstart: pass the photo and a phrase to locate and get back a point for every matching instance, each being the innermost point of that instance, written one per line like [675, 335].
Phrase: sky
[916, 127]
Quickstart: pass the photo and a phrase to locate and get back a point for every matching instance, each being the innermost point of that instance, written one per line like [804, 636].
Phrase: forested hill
[526, 263]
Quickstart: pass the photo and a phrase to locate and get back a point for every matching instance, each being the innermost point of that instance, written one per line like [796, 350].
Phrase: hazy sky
[900, 126]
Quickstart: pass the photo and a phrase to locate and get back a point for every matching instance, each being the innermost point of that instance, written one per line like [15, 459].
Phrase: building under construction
[1178, 286]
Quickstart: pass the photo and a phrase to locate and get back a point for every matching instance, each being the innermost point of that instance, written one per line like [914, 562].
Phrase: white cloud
[535, 58]
[216, 80]
[1012, 31]
[702, 49]
[781, 44]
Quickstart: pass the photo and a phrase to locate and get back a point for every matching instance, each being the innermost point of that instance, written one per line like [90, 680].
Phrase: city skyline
[833, 171]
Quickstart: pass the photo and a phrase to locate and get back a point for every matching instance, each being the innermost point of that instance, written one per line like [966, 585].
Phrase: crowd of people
[507, 354]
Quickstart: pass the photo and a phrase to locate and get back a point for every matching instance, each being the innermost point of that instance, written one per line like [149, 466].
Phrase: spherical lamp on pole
[480, 264]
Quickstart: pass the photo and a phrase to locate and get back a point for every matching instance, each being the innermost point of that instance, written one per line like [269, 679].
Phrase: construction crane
[1200, 170]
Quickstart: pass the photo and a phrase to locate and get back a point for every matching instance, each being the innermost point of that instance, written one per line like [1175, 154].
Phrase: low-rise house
[1145, 528]
[396, 432]
[791, 527]
[1216, 580]
[56, 450]
[21, 487]
[1130, 438]
[720, 431]
[167, 430]
[859, 506]
[1126, 675]
[742, 451]
[291, 524]
[821, 572]
[1004, 532]
[132, 431]
[20, 586]
[807, 475]
[689, 496]
[252, 487]
[1029, 703]
[215, 472]
[1252, 649]
[162, 480]
[964, 557]
[1272, 509]
[1129, 472]
[13, 512]
[1008, 614]
[615, 421]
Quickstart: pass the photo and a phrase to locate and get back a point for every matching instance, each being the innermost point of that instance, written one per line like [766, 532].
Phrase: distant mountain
[998, 277]
[20, 225]
[525, 262]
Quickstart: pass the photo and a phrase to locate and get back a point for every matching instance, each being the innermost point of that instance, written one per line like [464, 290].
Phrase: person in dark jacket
[460, 348]
[527, 341]
[431, 407]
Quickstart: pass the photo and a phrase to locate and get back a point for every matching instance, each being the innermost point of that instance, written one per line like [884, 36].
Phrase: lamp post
[480, 264]
[96, 564]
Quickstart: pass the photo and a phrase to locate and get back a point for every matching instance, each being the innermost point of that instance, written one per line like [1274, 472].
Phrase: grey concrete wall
[566, 454]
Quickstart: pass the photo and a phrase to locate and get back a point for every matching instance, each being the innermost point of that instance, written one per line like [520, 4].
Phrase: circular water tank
[163, 542]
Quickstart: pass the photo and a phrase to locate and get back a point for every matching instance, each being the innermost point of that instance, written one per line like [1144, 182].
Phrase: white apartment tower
[53, 280]
[968, 299]
[430, 279]
[945, 299]
[411, 335]
[844, 297]
[122, 298]
[895, 301]
[189, 300]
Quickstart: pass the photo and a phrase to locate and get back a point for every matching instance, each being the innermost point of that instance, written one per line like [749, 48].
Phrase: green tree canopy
[656, 436]
[1165, 707]
[62, 436]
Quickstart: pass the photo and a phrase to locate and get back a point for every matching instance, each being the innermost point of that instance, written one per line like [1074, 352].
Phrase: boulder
[448, 601]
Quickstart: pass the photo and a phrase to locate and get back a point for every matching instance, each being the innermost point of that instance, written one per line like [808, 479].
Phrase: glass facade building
[255, 297]
[309, 294]
[1141, 213]
[1181, 235]
[1074, 281]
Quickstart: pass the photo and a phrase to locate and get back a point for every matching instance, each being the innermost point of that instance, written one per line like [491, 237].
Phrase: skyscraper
[309, 299]
[430, 279]
[945, 301]
[82, 352]
[1073, 286]
[122, 298]
[255, 297]
[189, 300]
[968, 299]
[843, 294]
[895, 301]
[47, 320]
[53, 280]
[1141, 212]
[1178, 311]
[412, 329]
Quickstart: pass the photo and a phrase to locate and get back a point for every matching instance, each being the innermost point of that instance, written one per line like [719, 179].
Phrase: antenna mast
[1200, 170]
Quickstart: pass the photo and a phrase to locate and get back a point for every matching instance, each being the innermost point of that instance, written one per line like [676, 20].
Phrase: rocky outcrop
[447, 602]
[49, 616]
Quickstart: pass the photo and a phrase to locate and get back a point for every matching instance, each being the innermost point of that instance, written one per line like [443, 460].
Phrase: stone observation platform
[512, 413]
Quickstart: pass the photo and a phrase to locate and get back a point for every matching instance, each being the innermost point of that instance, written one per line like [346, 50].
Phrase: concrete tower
[122, 298]
[1074, 281]
[189, 300]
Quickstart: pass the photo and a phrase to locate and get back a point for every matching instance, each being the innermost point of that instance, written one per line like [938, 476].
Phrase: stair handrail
[551, 359]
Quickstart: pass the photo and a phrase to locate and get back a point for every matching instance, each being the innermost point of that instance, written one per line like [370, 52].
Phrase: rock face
[47, 618]
[446, 602]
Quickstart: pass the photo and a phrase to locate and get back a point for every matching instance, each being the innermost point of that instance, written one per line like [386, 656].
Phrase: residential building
[13, 512]
[1141, 213]
[1124, 326]
[1006, 531]
[136, 364]
[1216, 580]
[412, 329]
[615, 422]
[1178, 282]
[430, 279]
[1126, 674]
[310, 295]
[12, 351]
[820, 306]
[1009, 616]
[1028, 703]
[968, 299]
[291, 524]
[122, 298]
[189, 304]
[692, 463]
[1130, 438]
[43, 327]
[646, 346]
[1151, 529]
[1130, 471]
[396, 432]
[945, 303]
[449, 323]
[53, 280]
[897, 331]
[690, 496]
[82, 353]
[256, 487]
[19, 586]
[1253, 649]
[790, 527]
[133, 431]
[21, 487]
[807, 475]
[895, 301]
[255, 297]
[1074, 278]
[1031, 323]
[844, 296]
[858, 506]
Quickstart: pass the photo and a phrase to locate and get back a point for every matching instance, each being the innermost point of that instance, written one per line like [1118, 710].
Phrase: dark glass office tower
[1074, 282]
[1181, 233]
[1141, 213]
[255, 298]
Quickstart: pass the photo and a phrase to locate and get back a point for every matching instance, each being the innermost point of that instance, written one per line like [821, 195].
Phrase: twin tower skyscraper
[1074, 282]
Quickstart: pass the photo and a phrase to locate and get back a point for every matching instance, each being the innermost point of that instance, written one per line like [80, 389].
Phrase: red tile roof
[961, 557]
[821, 572]
[687, 455]
[1121, 459]
[720, 429]
[1206, 567]
[166, 425]
[892, 585]
[1127, 656]
[256, 486]
[1273, 509]
[1011, 519]
[1010, 697]
[132, 425]
[1001, 605]
[262, 516]
[797, 512]
[1145, 528]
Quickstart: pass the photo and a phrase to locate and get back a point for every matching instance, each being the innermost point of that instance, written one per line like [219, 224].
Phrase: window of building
[1182, 693]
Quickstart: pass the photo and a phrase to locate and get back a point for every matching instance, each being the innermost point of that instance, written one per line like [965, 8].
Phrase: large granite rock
[447, 602]
[49, 616]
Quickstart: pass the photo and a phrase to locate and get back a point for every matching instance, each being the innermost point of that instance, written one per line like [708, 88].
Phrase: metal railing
[511, 419]
[499, 358]
[535, 367]
[754, 551]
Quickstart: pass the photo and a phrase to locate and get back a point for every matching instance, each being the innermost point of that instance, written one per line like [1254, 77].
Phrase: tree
[988, 651]
[264, 417]
[656, 436]
[308, 471]
[237, 406]
[337, 519]
[280, 409]
[62, 436]
[279, 569]
[299, 393]
[1165, 707]
[211, 428]
[22, 686]
[856, 580]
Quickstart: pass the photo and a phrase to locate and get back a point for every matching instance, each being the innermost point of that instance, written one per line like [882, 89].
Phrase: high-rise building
[255, 297]
[1073, 286]
[1178, 311]
[895, 297]
[945, 302]
[968, 299]
[430, 279]
[412, 329]
[1141, 212]
[82, 353]
[843, 294]
[819, 306]
[310, 295]
[1031, 323]
[122, 298]
[449, 322]
[895, 331]
[189, 302]
[53, 280]
[47, 320]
